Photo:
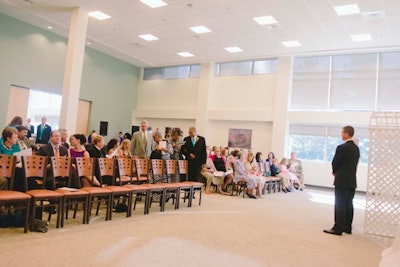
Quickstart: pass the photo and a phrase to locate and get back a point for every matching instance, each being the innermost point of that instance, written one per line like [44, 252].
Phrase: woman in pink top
[283, 170]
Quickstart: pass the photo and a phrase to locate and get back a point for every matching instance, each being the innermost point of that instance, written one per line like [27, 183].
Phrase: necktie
[56, 151]
[40, 132]
[193, 141]
[144, 138]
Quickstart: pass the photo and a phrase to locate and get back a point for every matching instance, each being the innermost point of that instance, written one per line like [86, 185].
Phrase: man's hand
[192, 156]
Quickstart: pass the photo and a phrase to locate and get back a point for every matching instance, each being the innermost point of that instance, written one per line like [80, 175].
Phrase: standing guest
[31, 128]
[296, 167]
[64, 138]
[195, 152]
[120, 137]
[142, 141]
[43, 132]
[16, 121]
[96, 149]
[344, 168]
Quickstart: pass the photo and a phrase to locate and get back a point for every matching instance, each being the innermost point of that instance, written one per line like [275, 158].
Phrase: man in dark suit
[344, 168]
[51, 148]
[194, 150]
[43, 132]
[31, 128]
[96, 149]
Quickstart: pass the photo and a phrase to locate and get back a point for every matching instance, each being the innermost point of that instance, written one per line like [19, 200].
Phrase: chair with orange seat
[13, 200]
[107, 169]
[35, 167]
[191, 186]
[62, 170]
[85, 168]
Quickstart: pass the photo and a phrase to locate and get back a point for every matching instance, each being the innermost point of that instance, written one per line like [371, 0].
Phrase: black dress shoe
[347, 232]
[284, 190]
[251, 196]
[332, 232]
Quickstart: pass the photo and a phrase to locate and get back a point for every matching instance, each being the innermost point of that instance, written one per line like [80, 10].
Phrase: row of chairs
[124, 186]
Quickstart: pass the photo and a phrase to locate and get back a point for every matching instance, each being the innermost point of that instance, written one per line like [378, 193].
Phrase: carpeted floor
[279, 230]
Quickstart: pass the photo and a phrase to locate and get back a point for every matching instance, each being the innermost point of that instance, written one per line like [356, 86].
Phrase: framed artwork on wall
[240, 138]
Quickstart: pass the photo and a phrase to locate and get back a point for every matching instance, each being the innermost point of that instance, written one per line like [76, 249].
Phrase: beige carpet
[279, 230]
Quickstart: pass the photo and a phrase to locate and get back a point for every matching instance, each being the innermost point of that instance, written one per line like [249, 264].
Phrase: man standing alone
[43, 132]
[344, 168]
[194, 150]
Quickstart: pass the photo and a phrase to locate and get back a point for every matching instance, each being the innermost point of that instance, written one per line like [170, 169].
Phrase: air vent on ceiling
[373, 15]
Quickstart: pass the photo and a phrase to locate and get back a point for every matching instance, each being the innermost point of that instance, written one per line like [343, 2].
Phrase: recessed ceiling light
[264, 20]
[49, 27]
[88, 43]
[233, 49]
[148, 37]
[347, 10]
[185, 54]
[200, 29]
[99, 15]
[361, 37]
[154, 3]
[294, 43]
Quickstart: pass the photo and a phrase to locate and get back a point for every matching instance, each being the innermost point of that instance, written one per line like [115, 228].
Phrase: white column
[206, 74]
[73, 69]
[281, 103]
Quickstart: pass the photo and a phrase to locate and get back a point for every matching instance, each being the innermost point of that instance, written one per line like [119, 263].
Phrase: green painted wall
[35, 58]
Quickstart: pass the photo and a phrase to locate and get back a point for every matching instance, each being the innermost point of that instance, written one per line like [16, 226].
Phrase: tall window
[44, 104]
[248, 67]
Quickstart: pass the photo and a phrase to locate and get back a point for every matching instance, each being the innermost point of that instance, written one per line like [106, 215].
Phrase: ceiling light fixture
[294, 43]
[185, 54]
[361, 37]
[347, 10]
[265, 20]
[49, 27]
[200, 29]
[233, 49]
[148, 37]
[154, 3]
[99, 15]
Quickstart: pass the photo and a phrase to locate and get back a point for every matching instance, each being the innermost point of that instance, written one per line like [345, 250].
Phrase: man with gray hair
[195, 152]
[142, 141]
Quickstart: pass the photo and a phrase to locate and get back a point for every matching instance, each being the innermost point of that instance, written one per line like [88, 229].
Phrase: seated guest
[16, 121]
[64, 138]
[207, 171]
[240, 174]
[270, 160]
[77, 150]
[285, 173]
[112, 145]
[8, 146]
[220, 164]
[296, 167]
[124, 149]
[96, 149]
[252, 169]
[23, 140]
[53, 148]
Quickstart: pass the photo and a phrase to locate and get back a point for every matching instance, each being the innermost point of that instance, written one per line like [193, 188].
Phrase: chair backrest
[107, 169]
[125, 166]
[61, 169]
[35, 167]
[183, 168]
[142, 168]
[7, 168]
[84, 166]
[170, 165]
[157, 166]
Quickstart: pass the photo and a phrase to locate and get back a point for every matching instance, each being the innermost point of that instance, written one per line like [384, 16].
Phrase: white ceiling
[314, 23]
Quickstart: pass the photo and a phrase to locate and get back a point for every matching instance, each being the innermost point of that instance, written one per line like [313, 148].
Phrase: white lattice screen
[382, 213]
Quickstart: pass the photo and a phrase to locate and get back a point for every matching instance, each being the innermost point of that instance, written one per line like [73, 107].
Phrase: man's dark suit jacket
[199, 150]
[344, 165]
[31, 131]
[45, 134]
[48, 151]
[94, 152]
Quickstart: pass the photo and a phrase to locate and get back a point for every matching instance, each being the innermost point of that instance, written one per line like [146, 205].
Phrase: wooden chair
[192, 186]
[62, 170]
[125, 171]
[142, 170]
[13, 200]
[107, 169]
[85, 168]
[158, 179]
[175, 188]
[36, 167]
